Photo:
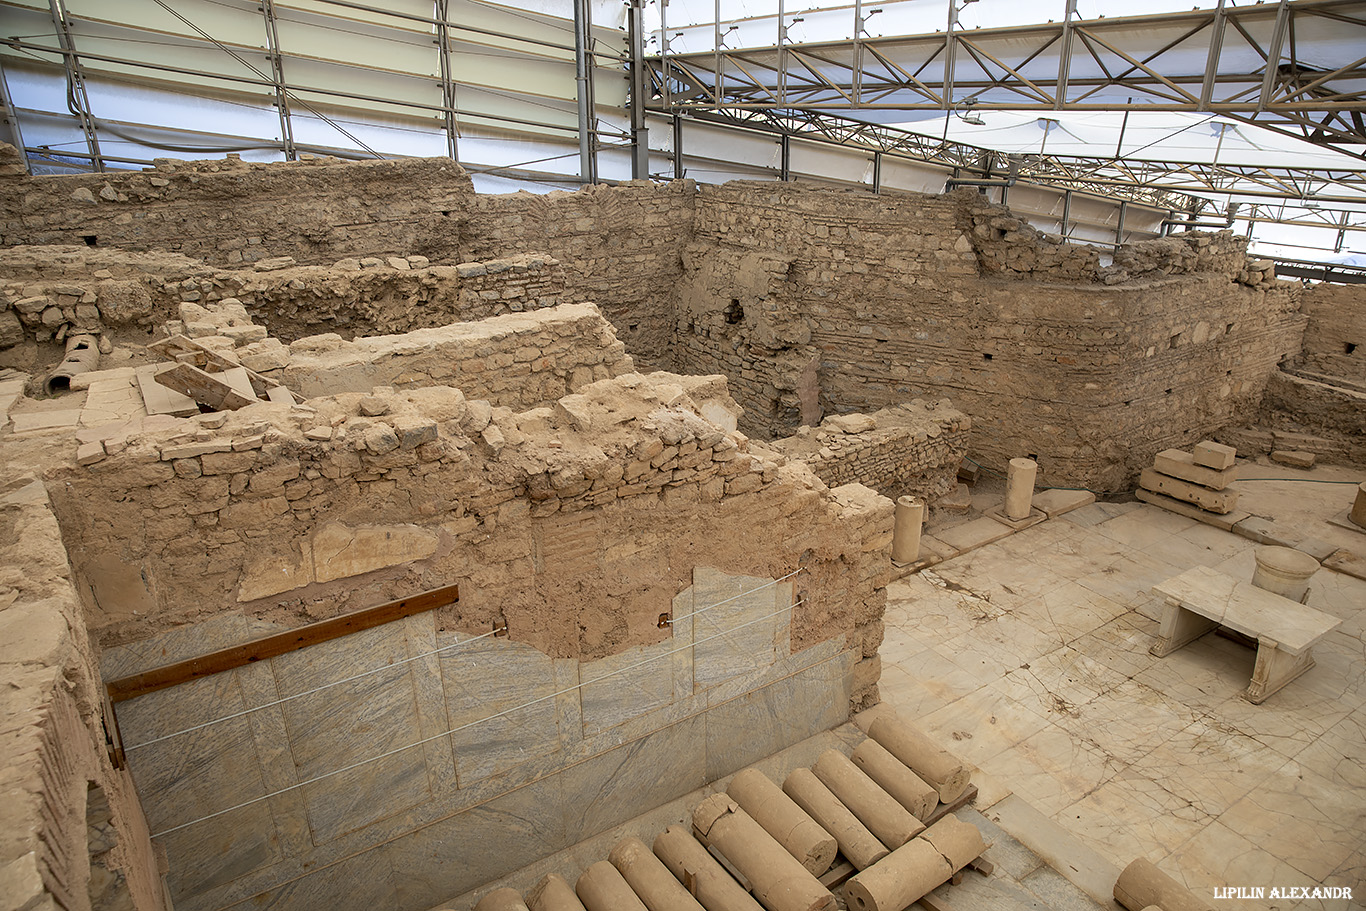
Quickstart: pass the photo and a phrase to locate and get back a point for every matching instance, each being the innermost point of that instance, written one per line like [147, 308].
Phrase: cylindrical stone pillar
[918, 866]
[1142, 884]
[859, 846]
[553, 893]
[892, 775]
[874, 807]
[1285, 571]
[788, 823]
[910, 516]
[1358, 513]
[941, 769]
[602, 888]
[649, 878]
[700, 873]
[502, 900]
[779, 881]
[1020, 488]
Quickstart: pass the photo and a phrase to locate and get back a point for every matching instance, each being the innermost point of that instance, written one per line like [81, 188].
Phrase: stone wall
[890, 300]
[227, 212]
[576, 526]
[621, 247]
[1335, 338]
[48, 292]
[521, 360]
[72, 834]
[911, 449]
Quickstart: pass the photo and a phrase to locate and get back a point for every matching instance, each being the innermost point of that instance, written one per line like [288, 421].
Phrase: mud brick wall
[226, 212]
[621, 247]
[911, 449]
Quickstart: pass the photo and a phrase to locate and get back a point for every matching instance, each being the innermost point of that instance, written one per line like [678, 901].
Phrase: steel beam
[449, 124]
[277, 69]
[583, 82]
[640, 133]
[77, 101]
[16, 135]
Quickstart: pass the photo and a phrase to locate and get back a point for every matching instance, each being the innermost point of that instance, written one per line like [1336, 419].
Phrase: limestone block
[11, 330]
[276, 573]
[1214, 455]
[1220, 501]
[340, 552]
[1293, 458]
[1179, 464]
[414, 430]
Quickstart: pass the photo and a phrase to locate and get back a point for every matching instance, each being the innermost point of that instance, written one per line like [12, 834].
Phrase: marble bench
[1200, 599]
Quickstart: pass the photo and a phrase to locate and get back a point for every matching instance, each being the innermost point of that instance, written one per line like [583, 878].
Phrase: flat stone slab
[1056, 502]
[974, 534]
[1344, 561]
[39, 421]
[1343, 520]
[1265, 531]
[1179, 464]
[1247, 609]
[1034, 518]
[1227, 521]
[1293, 458]
[1220, 501]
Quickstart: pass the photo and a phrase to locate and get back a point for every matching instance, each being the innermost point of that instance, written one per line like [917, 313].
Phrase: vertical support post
[1342, 232]
[1065, 56]
[716, 79]
[640, 133]
[678, 146]
[1273, 54]
[857, 75]
[950, 52]
[785, 157]
[1216, 45]
[1066, 213]
[1119, 228]
[76, 98]
[583, 79]
[782, 55]
[11, 116]
[443, 43]
[877, 173]
[277, 75]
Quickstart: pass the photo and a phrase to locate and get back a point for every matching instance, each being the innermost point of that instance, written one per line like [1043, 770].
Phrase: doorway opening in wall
[734, 312]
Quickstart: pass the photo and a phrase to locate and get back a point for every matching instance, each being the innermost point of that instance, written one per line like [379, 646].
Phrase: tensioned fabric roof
[1179, 112]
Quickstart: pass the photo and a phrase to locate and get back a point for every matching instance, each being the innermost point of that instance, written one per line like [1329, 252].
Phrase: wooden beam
[279, 644]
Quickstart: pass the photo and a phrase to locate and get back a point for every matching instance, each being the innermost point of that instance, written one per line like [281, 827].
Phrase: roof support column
[1065, 56]
[640, 133]
[785, 157]
[678, 146]
[877, 173]
[1216, 45]
[1273, 54]
[583, 78]
[443, 52]
[277, 72]
[950, 52]
[76, 98]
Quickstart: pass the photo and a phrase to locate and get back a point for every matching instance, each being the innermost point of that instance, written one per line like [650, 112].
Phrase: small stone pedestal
[910, 517]
[1358, 514]
[1285, 571]
[1020, 488]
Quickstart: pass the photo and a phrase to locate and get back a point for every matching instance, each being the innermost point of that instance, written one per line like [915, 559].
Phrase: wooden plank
[837, 875]
[208, 389]
[157, 399]
[945, 809]
[279, 644]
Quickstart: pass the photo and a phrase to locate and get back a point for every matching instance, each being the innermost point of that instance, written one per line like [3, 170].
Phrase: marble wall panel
[626, 685]
[501, 704]
[733, 630]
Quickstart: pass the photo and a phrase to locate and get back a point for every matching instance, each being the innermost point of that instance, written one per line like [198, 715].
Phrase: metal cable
[470, 724]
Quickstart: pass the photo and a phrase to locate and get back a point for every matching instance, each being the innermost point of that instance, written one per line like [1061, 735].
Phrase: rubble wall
[226, 212]
[49, 292]
[621, 247]
[72, 833]
[1089, 369]
[911, 449]
[575, 526]
[1335, 338]
[519, 360]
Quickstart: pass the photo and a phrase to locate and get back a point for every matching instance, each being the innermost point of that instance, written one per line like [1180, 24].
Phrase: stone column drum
[1284, 571]
[1020, 488]
[1358, 513]
[910, 516]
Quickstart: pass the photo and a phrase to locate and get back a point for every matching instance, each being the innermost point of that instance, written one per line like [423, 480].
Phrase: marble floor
[1030, 657]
